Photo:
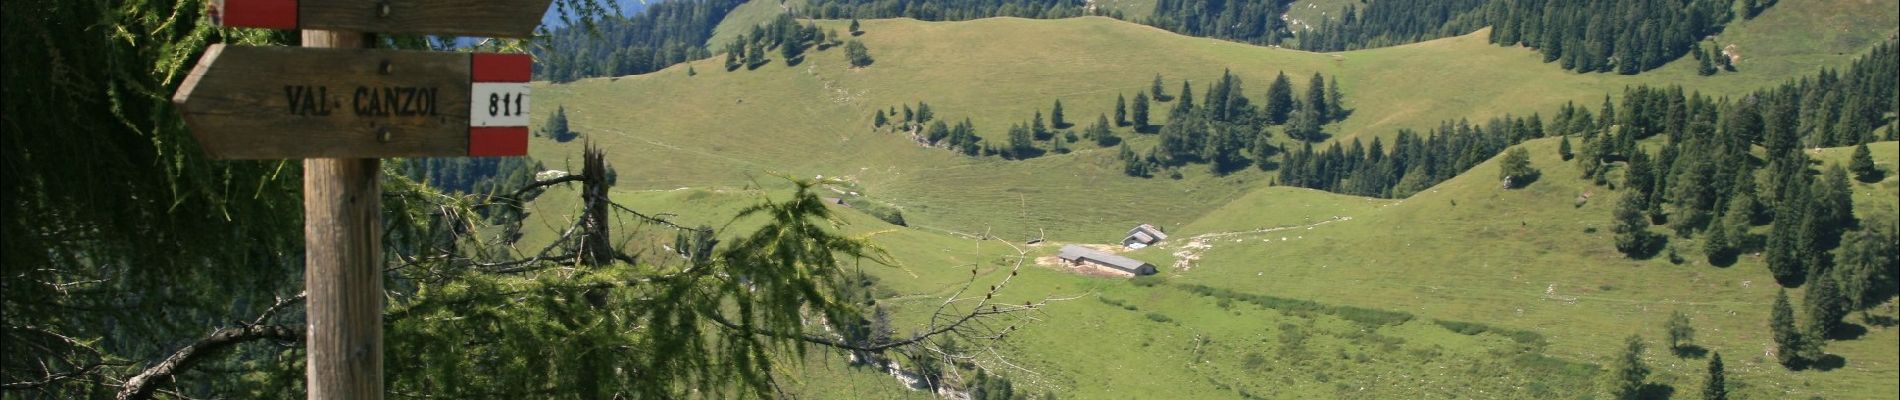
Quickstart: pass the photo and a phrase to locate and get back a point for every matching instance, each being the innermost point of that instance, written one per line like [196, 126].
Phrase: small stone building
[1143, 235]
[1078, 255]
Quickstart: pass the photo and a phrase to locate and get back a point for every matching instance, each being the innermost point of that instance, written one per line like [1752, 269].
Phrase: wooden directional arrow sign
[244, 102]
[490, 18]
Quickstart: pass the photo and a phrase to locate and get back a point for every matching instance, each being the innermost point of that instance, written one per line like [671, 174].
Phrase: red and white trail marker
[499, 98]
[487, 18]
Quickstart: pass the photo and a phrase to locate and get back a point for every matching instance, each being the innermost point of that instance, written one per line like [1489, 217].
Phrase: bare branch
[90, 369]
[143, 384]
[279, 306]
[516, 198]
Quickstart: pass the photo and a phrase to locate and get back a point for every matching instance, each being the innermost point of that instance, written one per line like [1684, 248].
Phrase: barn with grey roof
[1078, 255]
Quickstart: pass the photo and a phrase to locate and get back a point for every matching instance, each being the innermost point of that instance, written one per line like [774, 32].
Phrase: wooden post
[343, 266]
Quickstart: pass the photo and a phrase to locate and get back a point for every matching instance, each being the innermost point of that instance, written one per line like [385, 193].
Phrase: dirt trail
[1192, 247]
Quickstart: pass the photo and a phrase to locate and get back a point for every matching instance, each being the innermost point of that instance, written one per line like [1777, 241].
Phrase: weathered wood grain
[343, 273]
[239, 103]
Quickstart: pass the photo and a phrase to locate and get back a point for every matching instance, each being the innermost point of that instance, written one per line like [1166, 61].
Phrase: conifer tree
[732, 55]
[1121, 110]
[1722, 61]
[1020, 142]
[857, 54]
[1037, 128]
[1715, 387]
[854, 27]
[556, 127]
[1186, 100]
[1516, 168]
[1628, 374]
[1316, 98]
[1863, 164]
[1305, 125]
[1156, 90]
[792, 46]
[1263, 150]
[1140, 111]
[1563, 148]
[1631, 228]
[1681, 334]
[1606, 116]
[1055, 116]
[1716, 244]
[1784, 245]
[1865, 265]
[1335, 111]
[1704, 66]
[1103, 136]
[923, 112]
[1825, 305]
[1788, 341]
[1131, 164]
[755, 54]
[1279, 105]
[879, 119]
[1738, 218]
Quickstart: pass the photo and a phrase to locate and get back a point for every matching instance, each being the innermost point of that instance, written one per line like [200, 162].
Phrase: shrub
[877, 209]
[1517, 170]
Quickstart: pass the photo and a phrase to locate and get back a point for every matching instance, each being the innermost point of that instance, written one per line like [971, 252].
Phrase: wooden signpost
[285, 102]
[342, 108]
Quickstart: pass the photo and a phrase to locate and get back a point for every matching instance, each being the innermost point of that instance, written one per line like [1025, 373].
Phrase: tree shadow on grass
[1725, 259]
[1828, 362]
[1691, 351]
[1847, 331]
[1520, 182]
[1656, 391]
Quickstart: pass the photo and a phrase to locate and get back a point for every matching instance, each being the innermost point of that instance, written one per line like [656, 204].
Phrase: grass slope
[668, 129]
[742, 18]
[700, 146]
[1527, 259]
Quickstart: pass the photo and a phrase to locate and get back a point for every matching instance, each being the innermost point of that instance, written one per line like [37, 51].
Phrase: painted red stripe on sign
[270, 14]
[506, 141]
[496, 67]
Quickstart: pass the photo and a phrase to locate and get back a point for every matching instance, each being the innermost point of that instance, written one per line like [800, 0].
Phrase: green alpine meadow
[955, 199]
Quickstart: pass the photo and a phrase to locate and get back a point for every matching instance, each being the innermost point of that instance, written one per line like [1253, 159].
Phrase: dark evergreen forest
[1250, 21]
[943, 10]
[1626, 36]
[1829, 109]
[1392, 22]
[663, 34]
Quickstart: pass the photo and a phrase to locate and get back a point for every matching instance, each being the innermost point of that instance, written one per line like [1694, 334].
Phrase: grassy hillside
[668, 129]
[742, 18]
[1538, 271]
[1527, 259]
